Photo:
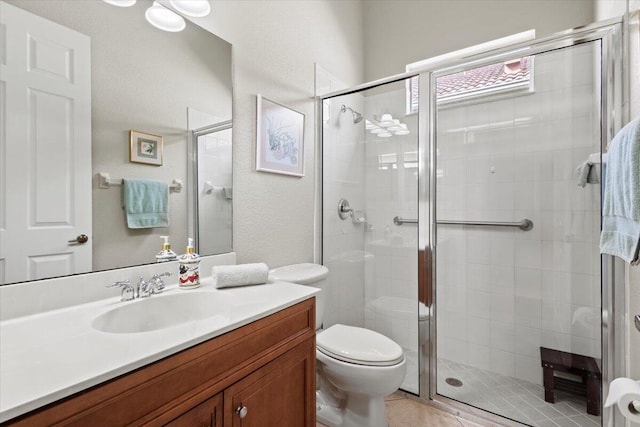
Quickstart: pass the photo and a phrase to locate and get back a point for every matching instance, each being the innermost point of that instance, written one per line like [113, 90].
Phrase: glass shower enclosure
[370, 159]
[474, 189]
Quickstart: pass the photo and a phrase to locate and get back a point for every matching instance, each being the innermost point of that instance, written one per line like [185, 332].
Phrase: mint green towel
[621, 206]
[145, 203]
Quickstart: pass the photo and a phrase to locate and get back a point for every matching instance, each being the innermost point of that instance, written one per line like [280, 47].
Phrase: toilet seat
[359, 346]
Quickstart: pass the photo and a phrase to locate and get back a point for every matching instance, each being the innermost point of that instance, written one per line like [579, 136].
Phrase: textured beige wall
[399, 32]
[275, 46]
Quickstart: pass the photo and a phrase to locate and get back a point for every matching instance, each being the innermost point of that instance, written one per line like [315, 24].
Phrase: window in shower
[508, 77]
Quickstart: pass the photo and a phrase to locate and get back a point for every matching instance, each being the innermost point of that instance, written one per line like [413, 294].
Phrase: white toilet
[356, 367]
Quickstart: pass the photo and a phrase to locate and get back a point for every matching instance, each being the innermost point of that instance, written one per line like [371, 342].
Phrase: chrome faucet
[144, 288]
[157, 284]
[128, 293]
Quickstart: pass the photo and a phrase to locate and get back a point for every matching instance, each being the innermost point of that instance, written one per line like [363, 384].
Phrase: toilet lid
[302, 274]
[358, 345]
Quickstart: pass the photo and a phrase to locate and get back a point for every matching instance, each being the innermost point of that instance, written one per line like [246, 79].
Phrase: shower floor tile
[513, 398]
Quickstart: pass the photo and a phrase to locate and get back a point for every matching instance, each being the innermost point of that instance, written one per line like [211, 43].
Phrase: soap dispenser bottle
[189, 264]
[166, 254]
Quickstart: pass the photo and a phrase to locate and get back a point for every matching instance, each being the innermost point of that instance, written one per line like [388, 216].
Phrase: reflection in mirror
[99, 72]
[210, 169]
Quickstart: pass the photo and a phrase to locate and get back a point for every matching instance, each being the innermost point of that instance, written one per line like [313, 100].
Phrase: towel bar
[105, 181]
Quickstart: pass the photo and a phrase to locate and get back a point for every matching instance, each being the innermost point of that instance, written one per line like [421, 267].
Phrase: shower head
[357, 117]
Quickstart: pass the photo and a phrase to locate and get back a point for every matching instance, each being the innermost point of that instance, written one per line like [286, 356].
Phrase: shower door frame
[613, 34]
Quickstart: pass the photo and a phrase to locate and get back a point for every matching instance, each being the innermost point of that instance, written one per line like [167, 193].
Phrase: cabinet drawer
[160, 392]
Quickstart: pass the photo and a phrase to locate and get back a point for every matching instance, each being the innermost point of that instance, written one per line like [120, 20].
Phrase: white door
[45, 147]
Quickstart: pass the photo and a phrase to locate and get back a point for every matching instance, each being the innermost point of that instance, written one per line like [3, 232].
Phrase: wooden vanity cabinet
[206, 414]
[275, 395]
[262, 374]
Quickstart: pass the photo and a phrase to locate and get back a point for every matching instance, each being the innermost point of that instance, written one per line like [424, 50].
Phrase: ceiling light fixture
[164, 19]
[395, 126]
[193, 8]
[121, 3]
[404, 130]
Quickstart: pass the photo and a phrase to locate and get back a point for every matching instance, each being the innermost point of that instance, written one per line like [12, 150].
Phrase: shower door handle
[637, 322]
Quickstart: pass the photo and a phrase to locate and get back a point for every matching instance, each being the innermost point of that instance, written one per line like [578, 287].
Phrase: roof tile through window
[484, 77]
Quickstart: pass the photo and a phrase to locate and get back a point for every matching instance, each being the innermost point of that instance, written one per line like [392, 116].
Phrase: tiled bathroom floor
[406, 412]
[517, 399]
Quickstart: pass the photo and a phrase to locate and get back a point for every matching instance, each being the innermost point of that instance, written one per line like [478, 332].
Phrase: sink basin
[164, 311]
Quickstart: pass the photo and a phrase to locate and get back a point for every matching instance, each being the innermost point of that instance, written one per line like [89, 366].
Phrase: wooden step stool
[586, 367]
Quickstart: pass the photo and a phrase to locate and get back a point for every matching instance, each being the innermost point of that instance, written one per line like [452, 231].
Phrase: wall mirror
[76, 78]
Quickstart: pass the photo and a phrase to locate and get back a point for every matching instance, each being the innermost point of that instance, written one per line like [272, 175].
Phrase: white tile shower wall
[343, 241]
[215, 208]
[504, 293]
[391, 189]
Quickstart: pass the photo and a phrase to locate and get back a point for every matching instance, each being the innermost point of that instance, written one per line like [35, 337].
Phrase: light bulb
[194, 8]
[395, 126]
[164, 19]
[386, 120]
[120, 3]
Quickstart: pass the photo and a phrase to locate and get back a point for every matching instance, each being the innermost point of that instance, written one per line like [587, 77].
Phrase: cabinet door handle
[242, 411]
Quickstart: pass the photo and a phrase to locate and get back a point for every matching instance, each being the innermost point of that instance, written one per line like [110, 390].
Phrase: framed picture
[280, 138]
[146, 148]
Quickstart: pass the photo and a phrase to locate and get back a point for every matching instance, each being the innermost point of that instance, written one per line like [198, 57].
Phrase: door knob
[83, 238]
[242, 411]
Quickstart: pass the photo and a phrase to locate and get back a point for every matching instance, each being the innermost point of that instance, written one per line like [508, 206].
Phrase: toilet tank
[305, 274]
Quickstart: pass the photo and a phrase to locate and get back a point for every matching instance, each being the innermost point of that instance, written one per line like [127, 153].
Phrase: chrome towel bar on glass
[524, 225]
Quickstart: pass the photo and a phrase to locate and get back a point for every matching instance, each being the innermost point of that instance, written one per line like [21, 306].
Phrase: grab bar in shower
[524, 225]
[399, 221]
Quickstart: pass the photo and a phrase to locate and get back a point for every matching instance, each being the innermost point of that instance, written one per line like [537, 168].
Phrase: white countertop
[48, 356]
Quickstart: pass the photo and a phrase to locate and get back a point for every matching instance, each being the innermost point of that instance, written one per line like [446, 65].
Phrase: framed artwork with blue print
[280, 138]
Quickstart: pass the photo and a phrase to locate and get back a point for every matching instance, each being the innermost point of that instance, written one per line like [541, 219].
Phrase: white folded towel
[225, 276]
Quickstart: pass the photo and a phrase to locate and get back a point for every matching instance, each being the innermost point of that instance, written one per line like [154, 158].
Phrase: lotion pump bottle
[189, 268]
[166, 254]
